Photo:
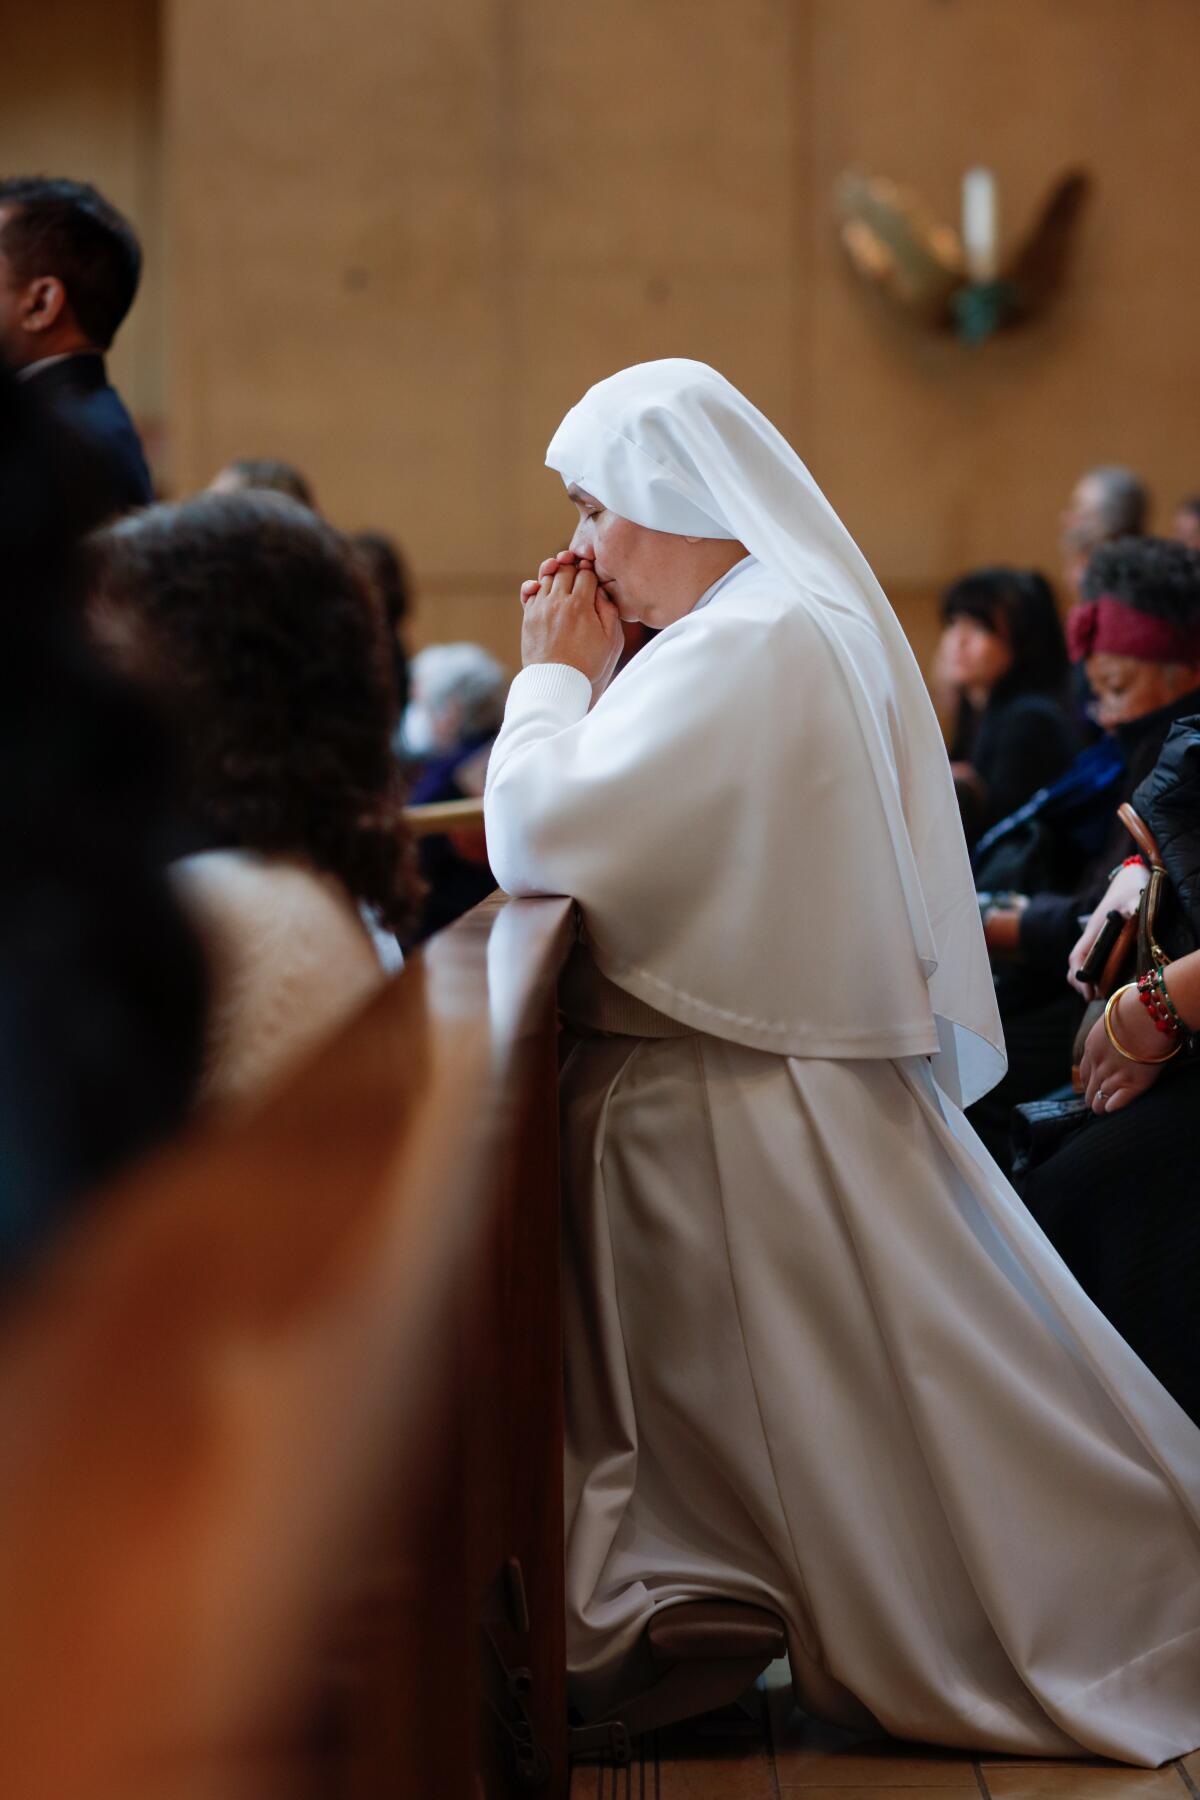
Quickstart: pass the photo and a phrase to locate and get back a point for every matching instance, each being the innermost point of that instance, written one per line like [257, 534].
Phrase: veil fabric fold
[673, 446]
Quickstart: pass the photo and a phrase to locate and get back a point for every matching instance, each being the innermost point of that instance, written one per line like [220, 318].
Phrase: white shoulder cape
[718, 818]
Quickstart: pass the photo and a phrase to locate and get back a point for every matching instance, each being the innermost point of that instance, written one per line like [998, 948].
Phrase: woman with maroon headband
[1137, 634]
[1136, 631]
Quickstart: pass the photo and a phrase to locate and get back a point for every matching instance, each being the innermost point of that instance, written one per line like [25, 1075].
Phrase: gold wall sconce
[955, 281]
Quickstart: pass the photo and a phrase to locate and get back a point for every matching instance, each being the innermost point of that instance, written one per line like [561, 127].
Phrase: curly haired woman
[246, 616]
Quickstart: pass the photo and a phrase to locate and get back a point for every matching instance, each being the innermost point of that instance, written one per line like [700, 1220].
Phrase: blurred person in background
[245, 616]
[1137, 634]
[1004, 653]
[449, 727]
[387, 575]
[1106, 503]
[69, 271]
[1185, 526]
[264, 474]
[101, 980]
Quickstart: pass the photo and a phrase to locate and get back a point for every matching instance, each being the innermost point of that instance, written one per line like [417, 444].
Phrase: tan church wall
[406, 236]
[79, 96]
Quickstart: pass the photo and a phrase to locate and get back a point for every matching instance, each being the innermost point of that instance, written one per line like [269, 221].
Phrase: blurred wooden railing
[444, 816]
[280, 1428]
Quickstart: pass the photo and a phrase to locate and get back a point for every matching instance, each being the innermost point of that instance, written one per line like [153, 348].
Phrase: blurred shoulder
[254, 906]
[1033, 717]
[752, 607]
[1034, 706]
[289, 958]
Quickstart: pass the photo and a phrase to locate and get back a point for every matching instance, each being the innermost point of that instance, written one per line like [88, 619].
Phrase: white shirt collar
[48, 362]
[716, 587]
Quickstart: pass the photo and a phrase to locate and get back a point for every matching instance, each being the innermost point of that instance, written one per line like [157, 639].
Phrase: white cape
[675, 447]
[718, 819]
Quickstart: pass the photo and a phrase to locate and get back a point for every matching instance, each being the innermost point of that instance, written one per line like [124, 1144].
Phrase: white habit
[819, 1357]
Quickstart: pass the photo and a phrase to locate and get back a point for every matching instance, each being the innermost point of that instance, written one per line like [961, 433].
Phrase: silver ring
[1100, 1093]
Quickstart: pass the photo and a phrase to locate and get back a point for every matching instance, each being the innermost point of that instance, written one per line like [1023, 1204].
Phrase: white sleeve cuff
[549, 688]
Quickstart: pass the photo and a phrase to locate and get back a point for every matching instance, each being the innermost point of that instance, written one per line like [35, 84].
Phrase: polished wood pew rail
[281, 1432]
[442, 816]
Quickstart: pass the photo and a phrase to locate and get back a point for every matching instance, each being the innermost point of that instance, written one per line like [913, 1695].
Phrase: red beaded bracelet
[1160, 1007]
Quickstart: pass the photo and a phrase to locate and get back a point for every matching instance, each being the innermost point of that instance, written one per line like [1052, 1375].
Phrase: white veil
[675, 447]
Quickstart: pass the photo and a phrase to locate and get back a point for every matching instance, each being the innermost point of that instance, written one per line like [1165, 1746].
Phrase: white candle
[979, 223]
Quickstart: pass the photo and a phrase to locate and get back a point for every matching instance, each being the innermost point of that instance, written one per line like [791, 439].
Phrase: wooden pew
[280, 1428]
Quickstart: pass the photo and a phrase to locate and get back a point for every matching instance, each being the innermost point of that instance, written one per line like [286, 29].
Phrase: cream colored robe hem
[820, 1357]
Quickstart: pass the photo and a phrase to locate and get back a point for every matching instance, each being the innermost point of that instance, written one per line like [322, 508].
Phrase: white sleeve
[718, 819]
[585, 802]
[526, 767]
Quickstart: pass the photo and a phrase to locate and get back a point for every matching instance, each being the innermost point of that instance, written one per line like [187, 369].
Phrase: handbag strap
[1116, 970]
[1148, 950]
[1141, 834]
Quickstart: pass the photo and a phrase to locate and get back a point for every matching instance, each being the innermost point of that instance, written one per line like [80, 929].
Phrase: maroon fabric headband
[1107, 627]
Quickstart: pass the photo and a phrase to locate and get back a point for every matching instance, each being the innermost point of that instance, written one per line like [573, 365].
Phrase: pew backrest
[284, 1410]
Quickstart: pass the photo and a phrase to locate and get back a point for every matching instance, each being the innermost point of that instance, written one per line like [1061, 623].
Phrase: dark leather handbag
[1040, 1127]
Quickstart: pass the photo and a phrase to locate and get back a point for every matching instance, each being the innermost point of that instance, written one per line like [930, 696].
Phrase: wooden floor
[779, 1753]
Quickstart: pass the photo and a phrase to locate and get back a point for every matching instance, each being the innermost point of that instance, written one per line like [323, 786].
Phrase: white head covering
[675, 447]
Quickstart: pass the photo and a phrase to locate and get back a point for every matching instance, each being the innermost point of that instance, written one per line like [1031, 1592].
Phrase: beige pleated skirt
[819, 1357]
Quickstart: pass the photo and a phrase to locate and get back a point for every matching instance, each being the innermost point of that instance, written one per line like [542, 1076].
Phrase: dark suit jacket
[98, 443]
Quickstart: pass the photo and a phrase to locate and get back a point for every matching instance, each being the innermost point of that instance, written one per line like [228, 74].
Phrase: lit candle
[979, 223]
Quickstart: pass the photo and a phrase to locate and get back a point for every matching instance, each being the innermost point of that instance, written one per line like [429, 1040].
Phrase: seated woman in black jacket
[1003, 652]
[1138, 636]
[1117, 1199]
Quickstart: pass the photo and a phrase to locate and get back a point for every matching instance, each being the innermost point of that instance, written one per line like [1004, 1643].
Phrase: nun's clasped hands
[570, 619]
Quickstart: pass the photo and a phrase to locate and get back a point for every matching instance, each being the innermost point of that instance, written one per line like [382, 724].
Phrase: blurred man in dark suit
[102, 981]
[69, 270]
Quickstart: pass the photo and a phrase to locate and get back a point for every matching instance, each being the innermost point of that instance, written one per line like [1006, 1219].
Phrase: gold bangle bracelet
[1116, 1043]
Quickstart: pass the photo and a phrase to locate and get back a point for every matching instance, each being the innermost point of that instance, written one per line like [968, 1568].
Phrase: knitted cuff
[553, 687]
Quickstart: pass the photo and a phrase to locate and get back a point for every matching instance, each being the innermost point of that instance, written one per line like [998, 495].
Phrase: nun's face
[653, 576]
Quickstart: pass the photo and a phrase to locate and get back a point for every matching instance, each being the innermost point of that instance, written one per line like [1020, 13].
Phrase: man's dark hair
[247, 615]
[68, 230]
[1151, 574]
[386, 575]
[1124, 506]
[1018, 605]
[268, 475]
[386, 571]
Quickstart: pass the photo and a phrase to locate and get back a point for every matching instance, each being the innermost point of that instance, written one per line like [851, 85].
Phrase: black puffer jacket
[1168, 800]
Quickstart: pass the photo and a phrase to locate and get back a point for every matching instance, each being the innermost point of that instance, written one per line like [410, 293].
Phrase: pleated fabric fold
[821, 1358]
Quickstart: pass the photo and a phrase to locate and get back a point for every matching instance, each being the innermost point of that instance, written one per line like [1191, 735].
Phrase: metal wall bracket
[611, 1740]
[506, 1690]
